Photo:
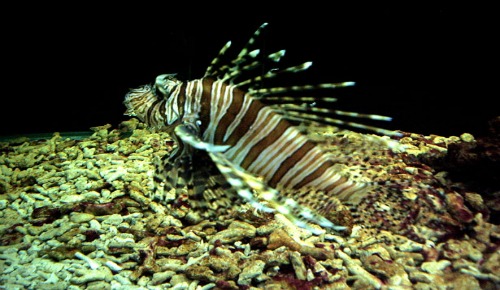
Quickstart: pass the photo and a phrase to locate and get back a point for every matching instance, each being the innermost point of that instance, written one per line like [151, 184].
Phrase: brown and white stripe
[245, 128]
[263, 142]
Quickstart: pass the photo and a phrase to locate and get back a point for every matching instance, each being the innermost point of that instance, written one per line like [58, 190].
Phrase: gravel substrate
[79, 214]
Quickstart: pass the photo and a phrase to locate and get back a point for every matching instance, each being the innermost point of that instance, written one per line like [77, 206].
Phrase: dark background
[428, 66]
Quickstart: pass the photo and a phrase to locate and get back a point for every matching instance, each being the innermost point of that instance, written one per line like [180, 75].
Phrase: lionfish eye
[164, 84]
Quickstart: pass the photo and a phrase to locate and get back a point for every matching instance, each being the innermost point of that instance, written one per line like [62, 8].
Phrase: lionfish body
[260, 153]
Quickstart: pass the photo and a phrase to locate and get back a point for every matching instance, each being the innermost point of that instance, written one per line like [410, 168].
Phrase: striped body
[261, 141]
[246, 131]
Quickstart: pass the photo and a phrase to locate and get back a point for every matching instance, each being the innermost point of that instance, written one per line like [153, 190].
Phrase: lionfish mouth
[130, 110]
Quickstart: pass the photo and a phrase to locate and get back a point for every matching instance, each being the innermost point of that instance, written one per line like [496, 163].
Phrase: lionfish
[254, 135]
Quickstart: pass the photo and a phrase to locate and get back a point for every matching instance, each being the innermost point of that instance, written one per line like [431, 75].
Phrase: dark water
[425, 66]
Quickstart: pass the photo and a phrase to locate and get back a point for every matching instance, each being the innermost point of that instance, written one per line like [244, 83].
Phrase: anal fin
[265, 198]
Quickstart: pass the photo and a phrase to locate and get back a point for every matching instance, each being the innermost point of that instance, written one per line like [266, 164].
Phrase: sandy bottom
[79, 214]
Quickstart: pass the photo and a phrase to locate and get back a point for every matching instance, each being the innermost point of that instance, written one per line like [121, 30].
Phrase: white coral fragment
[113, 174]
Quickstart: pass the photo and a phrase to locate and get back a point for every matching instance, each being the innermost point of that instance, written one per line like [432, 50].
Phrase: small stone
[94, 224]
[279, 238]
[73, 198]
[392, 271]
[85, 276]
[435, 267]
[476, 201]
[98, 285]
[426, 278]
[456, 249]
[298, 265]
[467, 137]
[114, 219]
[458, 280]
[251, 270]
[492, 264]
[78, 217]
[161, 277]
[201, 273]
[455, 205]
[179, 279]
[234, 233]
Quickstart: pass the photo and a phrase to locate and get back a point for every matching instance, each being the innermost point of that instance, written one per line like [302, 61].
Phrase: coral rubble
[78, 214]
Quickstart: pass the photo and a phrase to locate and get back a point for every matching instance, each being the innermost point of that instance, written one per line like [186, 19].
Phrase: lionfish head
[166, 83]
[137, 101]
[148, 103]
